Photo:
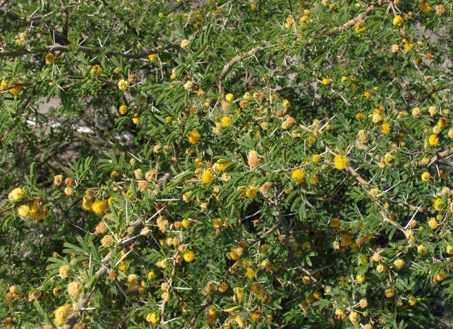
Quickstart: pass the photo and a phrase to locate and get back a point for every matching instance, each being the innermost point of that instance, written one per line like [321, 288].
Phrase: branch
[103, 270]
[87, 50]
[363, 15]
[236, 59]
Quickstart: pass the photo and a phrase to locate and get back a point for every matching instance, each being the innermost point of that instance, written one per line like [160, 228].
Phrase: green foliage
[225, 164]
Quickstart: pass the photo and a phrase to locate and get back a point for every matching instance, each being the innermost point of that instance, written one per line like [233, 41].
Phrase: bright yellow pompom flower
[226, 121]
[433, 139]
[194, 137]
[153, 317]
[123, 109]
[251, 192]
[99, 206]
[50, 58]
[96, 70]
[397, 20]
[298, 175]
[426, 176]
[16, 194]
[123, 85]
[207, 176]
[438, 204]
[189, 256]
[425, 7]
[385, 129]
[340, 162]
[326, 81]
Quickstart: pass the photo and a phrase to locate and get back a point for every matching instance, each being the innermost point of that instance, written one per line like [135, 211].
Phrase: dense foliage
[225, 164]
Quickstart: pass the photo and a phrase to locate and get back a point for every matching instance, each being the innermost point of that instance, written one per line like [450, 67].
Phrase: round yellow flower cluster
[340, 162]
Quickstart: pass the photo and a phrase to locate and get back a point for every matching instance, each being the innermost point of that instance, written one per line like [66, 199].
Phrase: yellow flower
[340, 162]
[194, 137]
[385, 129]
[250, 273]
[50, 58]
[99, 206]
[236, 253]
[438, 204]
[450, 250]
[316, 158]
[440, 276]
[132, 280]
[207, 176]
[361, 278]
[23, 210]
[186, 223]
[399, 263]
[63, 271]
[421, 249]
[390, 292]
[367, 95]
[153, 317]
[17, 89]
[354, 317]
[412, 301]
[335, 222]
[388, 157]
[286, 103]
[223, 287]
[74, 289]
[217, 223]
[326, 81]
[152, 57]
[425, 7]
[229, 97]
[151, 275]
[61, 314]
[96, 69]
[408, 46]
[188, 256]
[442, 123]
[184, 43]
[107, 241]
[314, 180]
[298, 175]
[432, 223]
[433, 139]
[251, 192]
[226, 121]
[359, 116]
[395, 48]
[416, 111]
[346, 240]
[440, 9]
[123, 109]
[16, 194]
[397, 20]
[253, 158]
[123, 85]
[426, 176]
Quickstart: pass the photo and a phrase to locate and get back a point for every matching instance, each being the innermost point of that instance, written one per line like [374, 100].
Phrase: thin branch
[87, 50]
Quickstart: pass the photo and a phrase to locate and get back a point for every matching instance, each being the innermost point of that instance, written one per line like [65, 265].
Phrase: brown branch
[439, 156]
[236, 59]
[362, 16]
[104, 269]
[87, 50]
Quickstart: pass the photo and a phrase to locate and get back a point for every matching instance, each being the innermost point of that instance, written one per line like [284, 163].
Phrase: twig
[236, 59]
[88, 50]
